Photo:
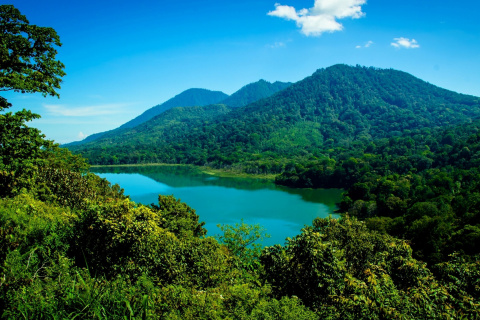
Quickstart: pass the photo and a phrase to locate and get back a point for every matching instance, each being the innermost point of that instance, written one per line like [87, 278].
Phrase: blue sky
[124, 57]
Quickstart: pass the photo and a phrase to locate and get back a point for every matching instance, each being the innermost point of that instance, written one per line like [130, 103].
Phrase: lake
[222, 200]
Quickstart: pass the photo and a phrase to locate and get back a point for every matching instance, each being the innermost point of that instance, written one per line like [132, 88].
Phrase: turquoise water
[217, 200]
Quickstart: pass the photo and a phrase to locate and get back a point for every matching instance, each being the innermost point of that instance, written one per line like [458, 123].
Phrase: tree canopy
[27, 56]
[27, 65]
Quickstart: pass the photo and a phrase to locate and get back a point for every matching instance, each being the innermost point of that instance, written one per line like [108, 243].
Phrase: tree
[27, 65]
[27, 56]
[244, 242]
[342, 270]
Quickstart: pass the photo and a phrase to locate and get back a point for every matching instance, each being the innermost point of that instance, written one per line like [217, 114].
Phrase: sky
[124, 57]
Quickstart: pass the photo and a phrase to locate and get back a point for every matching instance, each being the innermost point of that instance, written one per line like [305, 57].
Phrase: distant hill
[198, 97]
[334, 107]
[190, 97]
[253, 92]
[168, 126]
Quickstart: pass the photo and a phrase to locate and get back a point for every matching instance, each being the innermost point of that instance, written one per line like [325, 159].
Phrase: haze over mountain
[333, 107]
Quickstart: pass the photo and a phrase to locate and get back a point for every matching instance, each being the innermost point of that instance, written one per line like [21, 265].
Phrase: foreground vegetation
[74, 246]
[422, 186]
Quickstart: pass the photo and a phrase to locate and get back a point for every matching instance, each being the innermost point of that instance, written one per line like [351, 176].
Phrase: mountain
[332, 108]
[199, 97]
[174, 123]
[190, 97]
[253, 92]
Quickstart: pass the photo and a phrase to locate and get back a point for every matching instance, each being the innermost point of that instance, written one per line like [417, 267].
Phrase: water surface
[218, 200]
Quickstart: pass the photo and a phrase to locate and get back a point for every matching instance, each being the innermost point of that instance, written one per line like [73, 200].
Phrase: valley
[374, 214]
[406, 152]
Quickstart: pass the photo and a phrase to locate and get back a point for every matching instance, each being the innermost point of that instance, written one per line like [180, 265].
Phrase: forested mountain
[171, 125]
[199, 97]
[190, 97]
[253, 92]
[333, 107]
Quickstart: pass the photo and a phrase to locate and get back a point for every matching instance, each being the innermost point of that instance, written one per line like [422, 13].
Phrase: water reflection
[186, 176]
[220, 200]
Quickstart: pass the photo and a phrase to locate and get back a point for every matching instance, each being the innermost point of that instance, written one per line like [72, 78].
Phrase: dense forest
[74, 246]
[253, 92]
[335, 106]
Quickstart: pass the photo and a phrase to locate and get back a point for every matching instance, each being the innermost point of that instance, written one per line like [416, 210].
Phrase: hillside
[74, 244]
[333, 107]
[197, 97]
[190, 97]
[253, 92]
[171, 125]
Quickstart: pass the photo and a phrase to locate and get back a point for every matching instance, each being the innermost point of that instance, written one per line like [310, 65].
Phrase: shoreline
[227, 173]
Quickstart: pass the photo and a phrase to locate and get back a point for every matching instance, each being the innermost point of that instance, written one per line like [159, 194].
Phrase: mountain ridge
[253, 92]
[194, 98]
[333, 107]
[189, 97]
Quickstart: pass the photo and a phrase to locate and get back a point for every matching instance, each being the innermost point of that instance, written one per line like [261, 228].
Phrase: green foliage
[342, 270]
[340, 106]
[119, 237]
[462, 277]
[63, 291]
[27, 225]
[244, 241]
[233, 302]
[27, 55]
[421, 186]
[20, 148]
[178, 217]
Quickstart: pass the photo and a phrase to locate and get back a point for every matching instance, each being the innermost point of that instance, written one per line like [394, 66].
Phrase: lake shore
[226, 173]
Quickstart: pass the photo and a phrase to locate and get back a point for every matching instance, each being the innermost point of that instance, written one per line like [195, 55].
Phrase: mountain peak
[334, 107]
[253, 92]
[189, 98]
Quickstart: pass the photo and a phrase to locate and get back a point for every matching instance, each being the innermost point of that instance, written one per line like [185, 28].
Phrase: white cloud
[405, 43]
[81, 135]
[86, 111]
[366, 45]
[277, 45]
[322, 17]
